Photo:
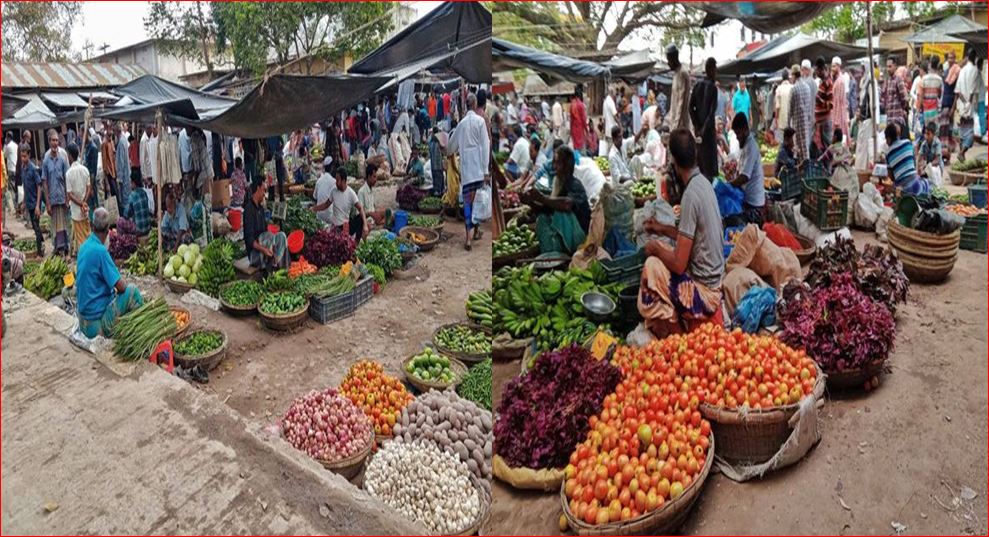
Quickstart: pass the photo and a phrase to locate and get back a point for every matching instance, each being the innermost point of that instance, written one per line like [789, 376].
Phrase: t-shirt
[76, 182]
[520, 154]
[174, 224]
[700, 220]
[324, 186]
[750, 165]
[900, 159]
[95, 277]
[365, 196]
[31, 179]
[742, 103]
[341, 204]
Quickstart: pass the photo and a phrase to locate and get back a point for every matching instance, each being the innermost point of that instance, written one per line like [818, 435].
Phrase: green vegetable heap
[430, 203]
[282, 303]
[514, 240]
[462, 338]
[322, 285]
[970, 165]
[217, 268]
[603, 164]
[278, 282]
[480, 308]
[644, 189]
[476, 386]
[547, 307]
[140, 331]
[144, 261]
[431, 366]
[199, 343]
[297, 217]
[419, 220]
[46, 281]
[242, 293]
[380, 250]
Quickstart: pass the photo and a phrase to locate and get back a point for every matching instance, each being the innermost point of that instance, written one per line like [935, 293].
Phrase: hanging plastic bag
[619, 208]
[482, 205]
[729, 198]
[756, 310]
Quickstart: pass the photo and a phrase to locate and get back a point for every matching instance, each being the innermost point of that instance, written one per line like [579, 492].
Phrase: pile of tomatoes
[382, 397]
[645, 448]
[736, 370]
[650, 441]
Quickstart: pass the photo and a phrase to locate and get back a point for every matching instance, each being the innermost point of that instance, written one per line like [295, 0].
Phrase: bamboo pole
[160, 124]
[872, 86]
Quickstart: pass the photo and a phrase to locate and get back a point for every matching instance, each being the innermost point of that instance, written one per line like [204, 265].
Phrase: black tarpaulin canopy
[150, 89]
[33, 115]
[551, 67]
[461, 27]
[787, 50]
[11, 104]
[632, 67]
[765, 17]
[944, 31]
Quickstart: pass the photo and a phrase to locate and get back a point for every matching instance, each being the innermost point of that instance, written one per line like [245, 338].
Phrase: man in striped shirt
[895, 99]
[802, 112]
[823, 105]
[900, 163]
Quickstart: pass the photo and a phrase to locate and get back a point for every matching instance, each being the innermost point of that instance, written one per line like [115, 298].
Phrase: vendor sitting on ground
[930, 165]
[265, 250]
[365, 197]
[684, 283]
[174, 225]
[101, 294]
[786, 159]
[565, 215]
[900, 163]
[416, 169]
[750, 176]
[341, 203]
[136, 209]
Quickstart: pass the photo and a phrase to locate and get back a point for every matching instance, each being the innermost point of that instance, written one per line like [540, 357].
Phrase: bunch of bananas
[480, 309]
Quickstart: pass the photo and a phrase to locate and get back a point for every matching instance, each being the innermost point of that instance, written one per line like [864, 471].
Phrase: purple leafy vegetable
[329, 247]
[876, 271]
[838, 326]
[543, 415]
[122, 245]
[409, 196]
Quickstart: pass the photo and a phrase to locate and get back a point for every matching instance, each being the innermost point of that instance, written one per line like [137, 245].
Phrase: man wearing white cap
[839, 113]
[802, 111]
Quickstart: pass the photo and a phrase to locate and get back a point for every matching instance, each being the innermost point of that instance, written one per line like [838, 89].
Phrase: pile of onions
[327, 426]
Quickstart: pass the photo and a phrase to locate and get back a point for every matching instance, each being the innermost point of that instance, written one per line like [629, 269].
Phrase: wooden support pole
[160, 123]
[872, 86]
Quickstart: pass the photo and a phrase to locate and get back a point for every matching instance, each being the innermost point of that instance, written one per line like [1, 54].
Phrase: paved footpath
[86, 450]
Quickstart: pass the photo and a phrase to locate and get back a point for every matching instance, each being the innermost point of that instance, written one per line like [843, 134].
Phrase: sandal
[467, 246]
[478, 234]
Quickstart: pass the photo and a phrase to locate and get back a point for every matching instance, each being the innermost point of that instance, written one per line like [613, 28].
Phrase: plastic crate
[792, 185]
[363, 292]
[626, 269]
[975, 234]
[977, 195]
[325, 310]
[826, 210]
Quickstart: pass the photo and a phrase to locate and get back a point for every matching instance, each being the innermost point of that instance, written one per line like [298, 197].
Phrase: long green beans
[477, 385]
[140, 331]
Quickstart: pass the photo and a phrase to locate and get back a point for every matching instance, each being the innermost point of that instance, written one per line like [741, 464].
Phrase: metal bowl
[597, 304]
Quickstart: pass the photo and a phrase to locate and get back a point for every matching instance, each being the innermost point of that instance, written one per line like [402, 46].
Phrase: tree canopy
[847, 22]
[36, 31]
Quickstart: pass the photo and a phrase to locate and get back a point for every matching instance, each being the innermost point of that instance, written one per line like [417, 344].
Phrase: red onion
[326, 425]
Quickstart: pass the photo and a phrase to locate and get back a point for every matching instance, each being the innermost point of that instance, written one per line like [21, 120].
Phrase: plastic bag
[658, 210]
[938, 221]
[756, 310]
[593, 179]
[546, 480]
[729, 198]
[482, 205]
[619, 208]
[640, 337]
[868, 206]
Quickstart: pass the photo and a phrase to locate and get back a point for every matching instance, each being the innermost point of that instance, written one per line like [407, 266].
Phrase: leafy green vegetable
[199, 343]
[242, 293]
[381, 251]
[138, 333]
[282, 303]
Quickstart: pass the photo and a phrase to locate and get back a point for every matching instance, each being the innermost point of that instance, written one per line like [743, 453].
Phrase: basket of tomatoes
[750, 387]
[381, 396]
[647, 456]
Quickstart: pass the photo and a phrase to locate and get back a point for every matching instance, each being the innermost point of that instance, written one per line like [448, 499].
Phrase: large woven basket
[432, 237]
[663, 521]
[178, 287]
[854, 378]
[756, 435]
[458, 368]
[923, 240]
[965, 178]
[510, 352]
[475, 527]
[207, 361]
[920, 270]
[286, 322]
[512, 259]
[906, 246]
[465, 357]
[181, 332]
[807, 251]
[430, 211]
[350, 467]
[234, 310]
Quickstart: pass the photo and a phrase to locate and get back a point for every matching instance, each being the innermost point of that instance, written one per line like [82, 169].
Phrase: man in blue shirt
[174, 224]
[741, 103]
[750, 175]
[31, 181]
[91, 155]
[101, 293]
[53, 170]
[136, 210]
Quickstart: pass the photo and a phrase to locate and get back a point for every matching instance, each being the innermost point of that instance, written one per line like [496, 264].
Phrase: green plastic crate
[975, 234]
[826, 210]
[626, 269]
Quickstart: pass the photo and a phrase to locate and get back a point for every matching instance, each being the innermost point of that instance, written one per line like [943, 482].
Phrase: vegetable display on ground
[965, 210]
[426, 221]
[461, 338]
[644, 189]
[299, 218]
[381, 251]
[46, 281]
[381, 396]
[218, 266]
[301, 268]
[199, 343]
[278, 281]
[456, 425]
[242, 293]
[476, 386]
[329, 247]
[515, 239]
[430, 203]
[970, 165]
[430, 366]
[425, 484]
[326, 426]
[604, 164]
[138, 333]
[26, 245]
[480, 309]
[544, 414]
[121, 246]
[282, 303]
[408, 197]
[144, 261]
[185, 265]
[876, 271]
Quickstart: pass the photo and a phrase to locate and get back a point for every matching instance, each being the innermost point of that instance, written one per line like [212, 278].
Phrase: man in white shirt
[545, 109]
[967, 91]
[518, 161]
[511, 114]
[782, 105]
[557, 118]
[621, 170]
[335, 204]
[77, 191]
[610, 111]
[471, 141]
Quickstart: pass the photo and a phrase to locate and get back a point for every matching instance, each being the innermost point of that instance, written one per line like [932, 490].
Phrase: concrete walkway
[85, 450]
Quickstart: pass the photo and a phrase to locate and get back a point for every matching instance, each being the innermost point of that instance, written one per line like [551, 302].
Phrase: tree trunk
[204, 40]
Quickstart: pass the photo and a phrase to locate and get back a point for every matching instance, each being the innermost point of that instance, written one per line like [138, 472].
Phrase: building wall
[893, 39]
[151, 59]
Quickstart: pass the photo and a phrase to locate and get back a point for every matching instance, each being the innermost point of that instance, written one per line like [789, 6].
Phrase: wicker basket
[206, 361]
[236, 311]
[854, 378]
[807, 251]
[350, 467]
[178, 287]
[436, 210]
[285, 322]
[923, 239]
[905, 246]
[664, 521]
[458, 368]
[184, 329]
[512, 259]
[920, 270]
[755, 436]
[465, 357]
[509, 353]
[432, 237]
[965, 178]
